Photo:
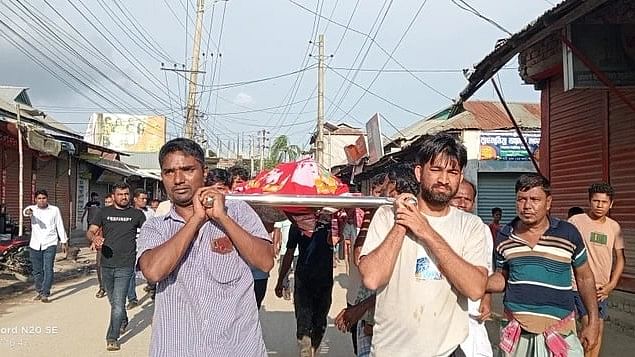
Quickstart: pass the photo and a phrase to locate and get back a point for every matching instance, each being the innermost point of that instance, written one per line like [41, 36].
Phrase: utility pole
[191, 118]
[251, 154]
[20, 173]
[319, 142]
[238, 153]
[262, 148]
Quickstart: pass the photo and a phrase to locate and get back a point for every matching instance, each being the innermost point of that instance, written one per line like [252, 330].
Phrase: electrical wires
[463, 5]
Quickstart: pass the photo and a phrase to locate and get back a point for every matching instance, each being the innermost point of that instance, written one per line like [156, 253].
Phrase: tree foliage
[282, 151]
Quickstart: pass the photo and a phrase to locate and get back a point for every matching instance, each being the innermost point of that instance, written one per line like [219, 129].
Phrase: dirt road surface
[74, 323]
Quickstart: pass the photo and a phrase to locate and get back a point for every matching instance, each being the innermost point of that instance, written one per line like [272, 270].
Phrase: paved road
[75, 322]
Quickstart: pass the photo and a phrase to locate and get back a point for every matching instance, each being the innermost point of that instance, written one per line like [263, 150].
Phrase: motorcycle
[14, 258]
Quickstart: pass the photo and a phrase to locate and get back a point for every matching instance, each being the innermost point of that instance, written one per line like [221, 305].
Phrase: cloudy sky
[260, 66]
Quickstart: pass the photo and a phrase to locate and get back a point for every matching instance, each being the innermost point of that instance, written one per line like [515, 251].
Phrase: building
[580, 55]
[54, 158]
[496, 157]
[46, 162]
[336, 138]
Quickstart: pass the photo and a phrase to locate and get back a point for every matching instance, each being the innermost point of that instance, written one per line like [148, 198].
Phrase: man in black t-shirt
[91, 207]
[118, 244]
[313, 281]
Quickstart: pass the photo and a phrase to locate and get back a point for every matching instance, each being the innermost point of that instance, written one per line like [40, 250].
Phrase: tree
[282, 151]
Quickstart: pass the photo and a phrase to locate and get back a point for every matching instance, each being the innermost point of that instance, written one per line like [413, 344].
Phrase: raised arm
[157, 263]
[256, 251]
[470, 280]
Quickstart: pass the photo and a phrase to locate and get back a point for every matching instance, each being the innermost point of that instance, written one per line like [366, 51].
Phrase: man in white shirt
[46, 226]
[425, 259]
[477, 343]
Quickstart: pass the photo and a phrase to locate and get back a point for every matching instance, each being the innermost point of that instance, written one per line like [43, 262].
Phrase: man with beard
[198, 255]
[117, 243]
[425, 259]
[536, 255]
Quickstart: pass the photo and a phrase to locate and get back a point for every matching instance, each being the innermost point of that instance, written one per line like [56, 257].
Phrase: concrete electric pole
[263, 144]
[319, 141]
[191, 117]
[251, 155]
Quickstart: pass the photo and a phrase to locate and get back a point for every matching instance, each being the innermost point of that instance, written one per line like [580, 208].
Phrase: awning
[43, 143]
[114, 171]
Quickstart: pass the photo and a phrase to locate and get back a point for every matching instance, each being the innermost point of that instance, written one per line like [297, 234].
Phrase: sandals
[100, 293]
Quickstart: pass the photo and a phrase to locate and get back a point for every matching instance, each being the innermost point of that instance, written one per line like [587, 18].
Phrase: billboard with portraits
[126, 132]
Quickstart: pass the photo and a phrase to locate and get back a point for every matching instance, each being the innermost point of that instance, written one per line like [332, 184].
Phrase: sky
[259, 62]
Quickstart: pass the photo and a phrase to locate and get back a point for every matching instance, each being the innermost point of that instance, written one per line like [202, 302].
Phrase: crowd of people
[421, 273]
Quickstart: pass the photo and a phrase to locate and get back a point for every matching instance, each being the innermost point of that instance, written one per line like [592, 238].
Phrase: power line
[377, 95]
[45, 24]
[178, 19]
[295, 88]
[467, 7]
[326, 28]
[143, 32]
[217, 66]
[414, 18]
[144, 70]
[350, 19]
[347, 27]
[229, 85]
[361, 63]
[264, 109]
[346, 114]
[431, 70]
[46, 67]
[206, 54]
[60, 67]
[301, 110]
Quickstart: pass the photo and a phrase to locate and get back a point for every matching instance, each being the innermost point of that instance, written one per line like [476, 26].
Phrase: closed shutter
[622, 178]
[72, 192]
[45, 172]
[576, 150]
[497, 190]
[62, 190]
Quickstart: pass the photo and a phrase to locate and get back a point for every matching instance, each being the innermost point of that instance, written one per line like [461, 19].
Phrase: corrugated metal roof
[143, 160]
[10, 94]
[485, 115]
[343, 129]
[478, 115]
[30, 113]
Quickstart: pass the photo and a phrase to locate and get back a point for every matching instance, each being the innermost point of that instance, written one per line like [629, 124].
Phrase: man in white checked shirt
[199, 256]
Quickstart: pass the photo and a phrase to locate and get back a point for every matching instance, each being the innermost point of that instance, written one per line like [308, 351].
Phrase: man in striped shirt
[198, 256]
[535, 257]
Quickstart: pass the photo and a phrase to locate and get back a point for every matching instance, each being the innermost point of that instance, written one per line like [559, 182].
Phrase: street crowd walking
[421, 272]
